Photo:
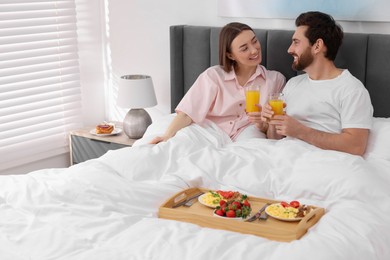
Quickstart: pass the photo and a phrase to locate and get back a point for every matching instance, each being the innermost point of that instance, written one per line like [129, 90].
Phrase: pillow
[379, 139]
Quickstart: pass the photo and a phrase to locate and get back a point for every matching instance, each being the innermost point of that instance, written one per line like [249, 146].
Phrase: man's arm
[350, 140]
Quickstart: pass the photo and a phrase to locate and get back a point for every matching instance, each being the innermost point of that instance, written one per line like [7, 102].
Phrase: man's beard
[303, 61]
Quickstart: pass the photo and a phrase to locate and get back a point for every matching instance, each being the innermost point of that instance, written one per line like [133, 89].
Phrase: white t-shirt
[329, 105]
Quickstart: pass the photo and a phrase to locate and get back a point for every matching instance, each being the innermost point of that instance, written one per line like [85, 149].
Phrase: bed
[107, 208]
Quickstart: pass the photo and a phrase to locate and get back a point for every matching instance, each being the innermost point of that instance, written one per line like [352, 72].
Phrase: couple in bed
[326, 107]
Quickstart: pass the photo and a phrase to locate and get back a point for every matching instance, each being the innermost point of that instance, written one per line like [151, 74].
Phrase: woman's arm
[255, 118]
[180, 121]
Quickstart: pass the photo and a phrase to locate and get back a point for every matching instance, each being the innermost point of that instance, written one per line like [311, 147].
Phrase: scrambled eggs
[279, 211]
[211, 198]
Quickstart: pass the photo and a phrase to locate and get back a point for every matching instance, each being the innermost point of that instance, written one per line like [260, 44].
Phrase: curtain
[40, 97]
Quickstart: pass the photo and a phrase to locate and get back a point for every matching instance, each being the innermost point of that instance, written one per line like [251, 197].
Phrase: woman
[218, 94]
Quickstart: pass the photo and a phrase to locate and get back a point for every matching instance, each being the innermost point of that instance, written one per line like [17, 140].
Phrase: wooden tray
[271, 228]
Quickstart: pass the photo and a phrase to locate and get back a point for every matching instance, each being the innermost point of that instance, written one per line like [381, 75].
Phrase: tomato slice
[226, 194]
[284, 204]
[295, 204]
[222, 193]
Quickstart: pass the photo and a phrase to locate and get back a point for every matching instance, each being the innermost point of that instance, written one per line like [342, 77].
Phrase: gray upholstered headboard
[367, 56]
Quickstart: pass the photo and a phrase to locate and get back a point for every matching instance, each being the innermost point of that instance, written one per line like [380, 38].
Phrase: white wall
[139, 35]
[132, 37]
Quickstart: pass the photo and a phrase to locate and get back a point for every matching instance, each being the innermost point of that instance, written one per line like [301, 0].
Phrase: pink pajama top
[217, 96]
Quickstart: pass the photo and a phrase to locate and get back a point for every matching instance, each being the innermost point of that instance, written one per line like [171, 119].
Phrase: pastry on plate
[104, 129]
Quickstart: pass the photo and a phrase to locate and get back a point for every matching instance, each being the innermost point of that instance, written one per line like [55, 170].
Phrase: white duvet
[107, 208]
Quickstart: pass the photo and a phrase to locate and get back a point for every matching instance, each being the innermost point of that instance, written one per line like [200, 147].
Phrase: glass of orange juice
[252, 98]
[276, 101]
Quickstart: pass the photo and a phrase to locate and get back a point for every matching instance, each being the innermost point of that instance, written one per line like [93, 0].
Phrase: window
[40, 97]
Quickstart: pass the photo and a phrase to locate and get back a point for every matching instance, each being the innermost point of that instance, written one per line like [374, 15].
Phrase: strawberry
[237, 204]
[225, 208]
[232, 206]
[246, 203]
[238, 213]
[231, 213]
[219, 212]
[245, 211]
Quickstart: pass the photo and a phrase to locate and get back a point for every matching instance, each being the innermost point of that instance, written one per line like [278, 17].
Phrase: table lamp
[136, 92]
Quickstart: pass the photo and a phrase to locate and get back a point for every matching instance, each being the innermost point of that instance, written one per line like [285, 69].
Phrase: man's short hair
[322, 26]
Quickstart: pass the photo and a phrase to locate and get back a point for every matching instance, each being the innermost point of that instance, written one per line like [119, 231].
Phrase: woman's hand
[255, 118]
[158, 139]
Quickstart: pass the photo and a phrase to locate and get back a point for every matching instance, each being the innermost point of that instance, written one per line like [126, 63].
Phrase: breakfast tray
[271, 228]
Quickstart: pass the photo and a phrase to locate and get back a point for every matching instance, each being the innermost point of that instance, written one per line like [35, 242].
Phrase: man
[326, 107]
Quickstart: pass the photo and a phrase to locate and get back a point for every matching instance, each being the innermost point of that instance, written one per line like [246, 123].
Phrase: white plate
[114, 132]
[218, 216]
[279, 218]
[200, 199]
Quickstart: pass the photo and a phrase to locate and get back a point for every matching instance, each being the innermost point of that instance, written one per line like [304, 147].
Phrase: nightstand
[85, 146]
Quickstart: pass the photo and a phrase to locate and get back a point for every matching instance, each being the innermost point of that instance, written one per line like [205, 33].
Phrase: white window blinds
[40, 98]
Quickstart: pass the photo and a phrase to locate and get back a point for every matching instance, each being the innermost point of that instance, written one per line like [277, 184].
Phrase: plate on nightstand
[114, 132]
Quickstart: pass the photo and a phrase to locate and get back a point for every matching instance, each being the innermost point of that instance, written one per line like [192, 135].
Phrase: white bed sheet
[107, 208]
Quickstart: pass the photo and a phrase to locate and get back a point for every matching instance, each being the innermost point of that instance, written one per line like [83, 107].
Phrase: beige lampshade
[136, 91]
